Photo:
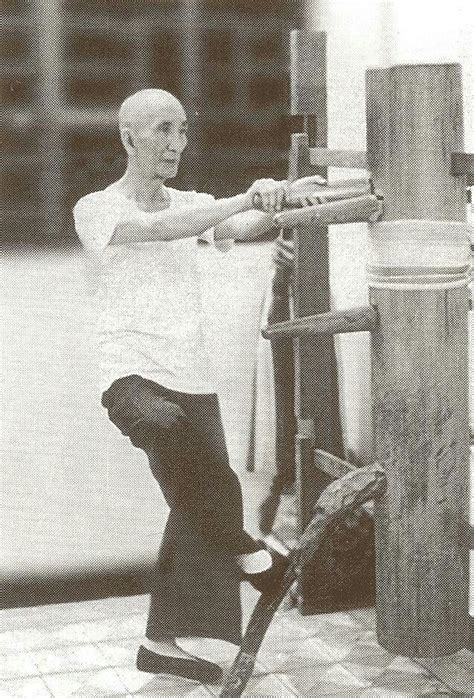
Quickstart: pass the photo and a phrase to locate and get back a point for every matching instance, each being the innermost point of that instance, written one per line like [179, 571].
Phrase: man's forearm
[178, 223]
[244, 226]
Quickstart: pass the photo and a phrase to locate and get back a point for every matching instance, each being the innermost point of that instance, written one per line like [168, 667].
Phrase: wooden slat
[337, 467]
[308, 74]
[316, 389]
[360, 319]
[352, 210]
[325, 157]
[332, 465]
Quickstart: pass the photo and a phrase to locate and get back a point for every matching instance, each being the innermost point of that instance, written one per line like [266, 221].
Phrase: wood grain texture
[308, 74]
[361, 319]
[338, 499]
[414, 124]
[420, 387]
[420, 371]
[348, 210]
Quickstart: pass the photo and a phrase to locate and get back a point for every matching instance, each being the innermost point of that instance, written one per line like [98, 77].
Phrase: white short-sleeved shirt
[151, 320]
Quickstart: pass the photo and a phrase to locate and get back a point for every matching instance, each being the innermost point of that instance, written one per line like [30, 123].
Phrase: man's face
[160, 141]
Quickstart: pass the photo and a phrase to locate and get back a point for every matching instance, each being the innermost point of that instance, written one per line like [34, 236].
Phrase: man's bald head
[142, 107]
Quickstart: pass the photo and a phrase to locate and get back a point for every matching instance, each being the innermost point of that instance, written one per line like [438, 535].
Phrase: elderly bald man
[157, 380]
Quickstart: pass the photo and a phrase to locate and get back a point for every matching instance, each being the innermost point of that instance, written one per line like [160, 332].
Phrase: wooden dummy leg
[338, 499]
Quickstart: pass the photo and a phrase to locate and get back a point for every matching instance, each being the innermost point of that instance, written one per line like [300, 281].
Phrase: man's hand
[307, 190]
[268, 195]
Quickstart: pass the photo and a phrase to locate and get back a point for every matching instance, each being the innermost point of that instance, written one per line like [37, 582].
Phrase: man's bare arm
[244, 226]
[252, 224]
[178, 223]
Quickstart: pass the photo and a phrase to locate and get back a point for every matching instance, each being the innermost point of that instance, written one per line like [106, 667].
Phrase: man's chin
[167, 172]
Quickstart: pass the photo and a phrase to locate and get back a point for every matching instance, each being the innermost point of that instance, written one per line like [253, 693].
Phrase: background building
[68, 64]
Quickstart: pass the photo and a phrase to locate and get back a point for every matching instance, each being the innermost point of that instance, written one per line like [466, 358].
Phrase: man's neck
[147, 193]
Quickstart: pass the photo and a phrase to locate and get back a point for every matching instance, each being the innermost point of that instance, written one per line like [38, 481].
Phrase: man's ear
[127, 140]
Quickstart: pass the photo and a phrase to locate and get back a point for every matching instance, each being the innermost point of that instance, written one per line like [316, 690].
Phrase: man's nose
[174, 143]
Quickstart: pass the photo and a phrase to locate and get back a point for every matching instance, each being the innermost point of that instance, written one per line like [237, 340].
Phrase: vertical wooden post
[316, 390]
[418, 269]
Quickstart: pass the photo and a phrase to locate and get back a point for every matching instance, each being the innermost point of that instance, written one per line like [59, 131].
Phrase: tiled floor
[88, 649]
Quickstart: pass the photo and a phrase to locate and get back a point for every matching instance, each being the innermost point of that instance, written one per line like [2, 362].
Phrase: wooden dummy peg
[363, 319]
[352, 210]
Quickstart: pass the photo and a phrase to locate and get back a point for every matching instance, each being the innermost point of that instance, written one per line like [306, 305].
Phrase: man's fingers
[266, 197]
[308, 181]
[280, 198]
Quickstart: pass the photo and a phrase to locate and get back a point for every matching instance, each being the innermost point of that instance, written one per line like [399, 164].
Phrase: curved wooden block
[338, 499]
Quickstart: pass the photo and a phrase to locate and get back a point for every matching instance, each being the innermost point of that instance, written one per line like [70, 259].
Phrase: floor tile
[304, 678]
[365, 653]
[70, 658]
[119, 652]
[407, 682]
[85, 684]
[364, 672]
[18, 664]
[24, 688]
[405, 664]
[141, 683]
[312, 651]
[23, 640]
[456, 671]
[71, 633]
[10, 642]
[128, 626]
[270, 685]
[366, 616]
[340, 642]
[340, 675]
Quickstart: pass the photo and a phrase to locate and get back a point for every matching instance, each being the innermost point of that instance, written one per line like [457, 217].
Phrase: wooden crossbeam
[360, 319]
[353, 210]
[310, 194]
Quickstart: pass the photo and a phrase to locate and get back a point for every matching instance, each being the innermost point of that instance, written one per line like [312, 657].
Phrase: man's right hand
[267, 195]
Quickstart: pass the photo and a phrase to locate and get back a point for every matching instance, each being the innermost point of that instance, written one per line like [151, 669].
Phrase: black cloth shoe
[270, 579]
[194, 669]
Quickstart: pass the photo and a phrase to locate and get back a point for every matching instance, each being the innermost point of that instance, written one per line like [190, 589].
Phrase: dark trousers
[195, 586]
